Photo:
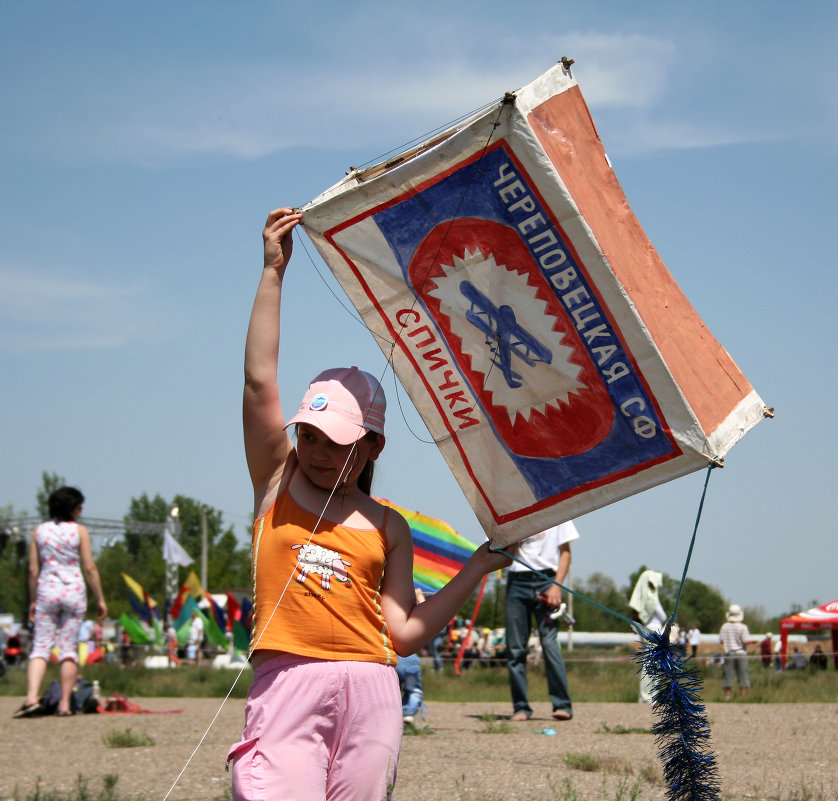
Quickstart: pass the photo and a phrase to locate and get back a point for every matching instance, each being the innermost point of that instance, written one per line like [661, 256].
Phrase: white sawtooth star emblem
[541, 384]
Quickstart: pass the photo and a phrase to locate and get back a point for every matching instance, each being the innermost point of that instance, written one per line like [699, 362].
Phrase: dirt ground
[782, 752]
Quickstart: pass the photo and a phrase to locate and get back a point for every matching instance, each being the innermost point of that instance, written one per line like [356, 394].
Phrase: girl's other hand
[490, 561]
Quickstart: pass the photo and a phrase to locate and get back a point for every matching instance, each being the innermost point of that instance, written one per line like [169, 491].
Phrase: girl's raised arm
[267, 446]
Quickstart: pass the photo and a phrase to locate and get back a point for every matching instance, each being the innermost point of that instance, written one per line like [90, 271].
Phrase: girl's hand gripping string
[277, 238]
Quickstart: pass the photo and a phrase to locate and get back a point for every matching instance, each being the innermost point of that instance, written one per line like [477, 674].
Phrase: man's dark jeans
[522, 602]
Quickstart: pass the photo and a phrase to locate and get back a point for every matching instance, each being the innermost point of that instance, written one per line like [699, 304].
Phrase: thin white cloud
[645, 135]
[56, 311]
[228, 112]
[228, 116]
[621, 71]
[25, 291]
[248, 110]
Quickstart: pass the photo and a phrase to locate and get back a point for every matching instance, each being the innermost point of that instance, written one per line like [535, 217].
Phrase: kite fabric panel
[439, 552]
[553, 358]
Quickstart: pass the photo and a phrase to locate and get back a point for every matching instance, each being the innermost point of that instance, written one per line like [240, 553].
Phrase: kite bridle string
[389, 359]
[638, 627]
[502, 104]
[552, 580]
[713, 463]
[428, 134]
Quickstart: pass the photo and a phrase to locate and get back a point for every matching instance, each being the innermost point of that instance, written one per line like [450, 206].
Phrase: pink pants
[317, 729]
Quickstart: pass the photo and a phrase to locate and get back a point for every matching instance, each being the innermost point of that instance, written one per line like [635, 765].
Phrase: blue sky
[142, 146]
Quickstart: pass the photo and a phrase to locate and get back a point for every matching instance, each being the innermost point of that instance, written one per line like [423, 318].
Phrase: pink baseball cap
[344, 403]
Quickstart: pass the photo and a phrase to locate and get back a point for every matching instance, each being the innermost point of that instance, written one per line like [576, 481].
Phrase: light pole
[173, 527]
[204, 536]
[570, 609]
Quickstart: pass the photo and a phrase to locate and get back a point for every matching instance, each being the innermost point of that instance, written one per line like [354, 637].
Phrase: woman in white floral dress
[59, 554]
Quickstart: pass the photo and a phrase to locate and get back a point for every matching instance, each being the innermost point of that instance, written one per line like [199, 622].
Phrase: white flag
[173, 551]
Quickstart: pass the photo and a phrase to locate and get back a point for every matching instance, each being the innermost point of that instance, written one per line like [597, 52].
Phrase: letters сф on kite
[551, 355]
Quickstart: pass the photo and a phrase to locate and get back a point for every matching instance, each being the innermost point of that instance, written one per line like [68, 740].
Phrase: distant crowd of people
[770, 649]
[60, 561]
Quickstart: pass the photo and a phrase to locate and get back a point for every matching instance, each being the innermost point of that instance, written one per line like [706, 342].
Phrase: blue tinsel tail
[682, 731]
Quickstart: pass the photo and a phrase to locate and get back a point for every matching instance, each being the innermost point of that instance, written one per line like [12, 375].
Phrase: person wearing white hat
[734, 637]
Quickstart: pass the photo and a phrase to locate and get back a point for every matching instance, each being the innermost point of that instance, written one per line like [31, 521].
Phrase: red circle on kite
[512, 338]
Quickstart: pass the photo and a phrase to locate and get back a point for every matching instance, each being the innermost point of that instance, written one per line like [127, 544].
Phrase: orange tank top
[331, 608]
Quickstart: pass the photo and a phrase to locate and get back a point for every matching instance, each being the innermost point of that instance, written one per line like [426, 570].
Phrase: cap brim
[333, 425]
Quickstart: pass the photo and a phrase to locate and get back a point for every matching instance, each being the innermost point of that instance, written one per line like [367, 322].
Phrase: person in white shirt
[734, 637]
[196, 639]
[694, 639]
[531, 592]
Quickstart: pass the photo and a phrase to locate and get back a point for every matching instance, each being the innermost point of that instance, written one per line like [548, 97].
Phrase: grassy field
[611, 677]
[594, 675]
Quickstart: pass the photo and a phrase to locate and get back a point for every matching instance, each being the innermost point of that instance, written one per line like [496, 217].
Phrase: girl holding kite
[332, 573]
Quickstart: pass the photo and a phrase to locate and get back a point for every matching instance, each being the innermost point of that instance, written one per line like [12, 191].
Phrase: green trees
[228, 563]
[700, 603]
[49, 483]
[138, 553]
[14, 550]
[602, 589]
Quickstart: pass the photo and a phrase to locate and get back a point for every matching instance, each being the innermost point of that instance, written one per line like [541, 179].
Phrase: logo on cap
[318, 402]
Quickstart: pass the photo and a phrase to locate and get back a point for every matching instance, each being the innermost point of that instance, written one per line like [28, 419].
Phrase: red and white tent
[821, 617]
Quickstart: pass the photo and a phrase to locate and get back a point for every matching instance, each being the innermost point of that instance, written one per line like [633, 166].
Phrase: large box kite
[552, 356]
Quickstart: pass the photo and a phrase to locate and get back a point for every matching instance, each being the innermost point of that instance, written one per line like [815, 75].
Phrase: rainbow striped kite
[438, 551]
